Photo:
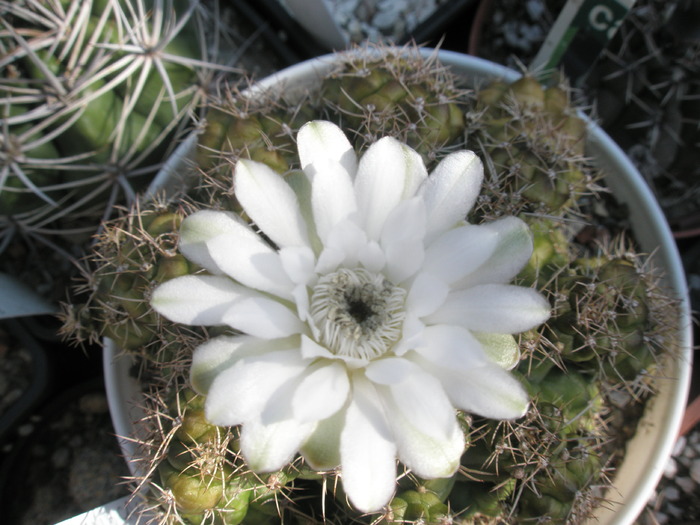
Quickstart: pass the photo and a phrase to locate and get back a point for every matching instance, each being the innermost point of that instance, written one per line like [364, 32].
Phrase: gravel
[380, 20]
[677, 496]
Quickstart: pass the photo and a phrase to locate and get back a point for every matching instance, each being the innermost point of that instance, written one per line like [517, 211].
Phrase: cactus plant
[94, 97]
[607, 336]
[535, 141]
[646, 89]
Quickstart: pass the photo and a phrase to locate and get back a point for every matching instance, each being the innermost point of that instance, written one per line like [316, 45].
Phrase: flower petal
[415, 393]
[263, 317]
[459, 251]
[415, 171]
[402, 239]
[213, 357]
[426, 454]
[298, 263]
[310, 349]
[319, 141]
[498, 308]
[412, 335]
[321, 393]
[240, 393]
[197, 299]
[501, 349]
[270, 202]
[381, 181]
[511, 254]
[372, 256]
[197, 229]
[451, 346]
[426, 294]
[322, 449]
[342, 246]
[301, 185]
[403, 260]
[367, 450]
[487, 391]
[451, 190]
[244, 256]
[267, 448]
[332, 197]
[301, 300]
[389, 370]
[405, 222]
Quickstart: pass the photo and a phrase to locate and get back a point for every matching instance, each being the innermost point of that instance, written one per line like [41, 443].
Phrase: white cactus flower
[367, 315]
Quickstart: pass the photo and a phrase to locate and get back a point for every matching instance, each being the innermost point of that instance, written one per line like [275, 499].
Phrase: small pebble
[25, 430]
[12, 396]
[671, 468]
[683, 460]
[620, 398]
[94, 403]
[535, 9]
[695, 471]
[686, 484]
[60, 458]
[694, 438]
[679, 446]
[661, 518]
[674, 511]
[672, 493]
[380, 20]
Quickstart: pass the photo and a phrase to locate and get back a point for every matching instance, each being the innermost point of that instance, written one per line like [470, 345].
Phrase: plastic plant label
[113, 513]
[18, 300]
[579, 34]
[315, 17]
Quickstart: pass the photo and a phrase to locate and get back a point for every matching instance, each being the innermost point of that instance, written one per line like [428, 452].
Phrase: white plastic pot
[649, 450]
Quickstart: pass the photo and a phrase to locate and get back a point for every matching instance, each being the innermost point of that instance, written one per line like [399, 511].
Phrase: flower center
[358, 313]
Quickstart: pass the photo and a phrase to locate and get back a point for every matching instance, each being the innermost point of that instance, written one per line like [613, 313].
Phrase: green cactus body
[550, 251]
[266, 138]
[380, 98]
[205, 476]
[535, 142]
[138, 255]
[412, 505]
[601, 325]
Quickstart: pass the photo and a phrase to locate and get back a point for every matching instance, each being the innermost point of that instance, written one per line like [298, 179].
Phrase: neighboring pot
[648, 452]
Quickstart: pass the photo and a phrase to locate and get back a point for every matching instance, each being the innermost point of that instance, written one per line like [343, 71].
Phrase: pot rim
[651, 231]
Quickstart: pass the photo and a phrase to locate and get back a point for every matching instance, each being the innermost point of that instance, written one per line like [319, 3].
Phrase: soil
[58, 456]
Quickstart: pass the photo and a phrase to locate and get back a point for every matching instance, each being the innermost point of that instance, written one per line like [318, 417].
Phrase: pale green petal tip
[321, 458]
[322, 449]
[515, 239]
[501, 349]
[202, 377]
[200, 227]
[163, 297]
[518, 401]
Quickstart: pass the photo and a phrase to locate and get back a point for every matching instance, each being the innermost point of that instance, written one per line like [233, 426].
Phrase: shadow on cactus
[347, 285]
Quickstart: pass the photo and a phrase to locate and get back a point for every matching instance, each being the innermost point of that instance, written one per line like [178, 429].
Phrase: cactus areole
[366, 313]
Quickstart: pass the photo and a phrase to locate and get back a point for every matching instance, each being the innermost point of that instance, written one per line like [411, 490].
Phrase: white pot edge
[635, 480]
